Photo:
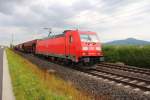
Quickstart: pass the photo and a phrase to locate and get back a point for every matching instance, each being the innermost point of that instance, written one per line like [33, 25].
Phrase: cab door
[70, 46]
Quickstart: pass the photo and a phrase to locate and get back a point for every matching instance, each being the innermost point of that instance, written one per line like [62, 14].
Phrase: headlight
[84, 48]
[98, 48]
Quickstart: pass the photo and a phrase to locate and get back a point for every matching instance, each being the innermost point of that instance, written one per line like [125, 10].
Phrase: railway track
[125, 68]
[126, 80]
[136, 83]
[120, 78]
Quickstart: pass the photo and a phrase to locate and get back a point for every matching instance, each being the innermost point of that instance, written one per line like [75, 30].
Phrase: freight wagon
[27, 47]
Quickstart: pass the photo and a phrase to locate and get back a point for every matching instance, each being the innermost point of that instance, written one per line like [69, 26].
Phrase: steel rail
[98, 74]
[125, 68]
[121, 75]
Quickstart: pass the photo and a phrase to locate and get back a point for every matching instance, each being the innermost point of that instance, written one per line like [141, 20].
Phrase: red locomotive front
[91, 49]
[73, 45]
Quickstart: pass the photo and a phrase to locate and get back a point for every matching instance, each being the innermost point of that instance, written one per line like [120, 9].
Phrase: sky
[112, 19]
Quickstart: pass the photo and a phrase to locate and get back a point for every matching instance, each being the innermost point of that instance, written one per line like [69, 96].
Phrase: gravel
[136, 75]
[100, 88]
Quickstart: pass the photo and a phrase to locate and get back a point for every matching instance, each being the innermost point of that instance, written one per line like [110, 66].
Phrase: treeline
[131, 55]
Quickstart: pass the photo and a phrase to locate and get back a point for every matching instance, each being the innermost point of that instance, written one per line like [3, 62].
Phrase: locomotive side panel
[56, 46]
[51, 47]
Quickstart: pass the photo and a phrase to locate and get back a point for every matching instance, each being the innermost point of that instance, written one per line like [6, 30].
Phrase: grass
[131, 55]
[30, 83]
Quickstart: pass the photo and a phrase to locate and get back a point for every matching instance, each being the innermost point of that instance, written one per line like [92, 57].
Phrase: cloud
[112, 19]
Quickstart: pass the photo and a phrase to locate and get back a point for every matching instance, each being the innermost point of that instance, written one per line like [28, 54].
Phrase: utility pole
[12, 40]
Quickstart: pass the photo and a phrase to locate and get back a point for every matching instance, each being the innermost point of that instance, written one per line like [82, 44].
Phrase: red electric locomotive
[73, 45]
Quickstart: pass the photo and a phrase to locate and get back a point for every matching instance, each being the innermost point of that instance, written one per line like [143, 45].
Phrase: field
[31, 83]
[131, 55]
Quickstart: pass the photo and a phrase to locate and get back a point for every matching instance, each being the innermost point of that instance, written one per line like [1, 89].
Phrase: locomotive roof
[58, 35]
[53, 36]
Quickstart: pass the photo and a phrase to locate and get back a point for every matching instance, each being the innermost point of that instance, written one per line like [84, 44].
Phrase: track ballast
[120, 78]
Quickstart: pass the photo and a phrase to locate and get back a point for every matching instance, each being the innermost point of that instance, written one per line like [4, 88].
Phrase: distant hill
[128, 41]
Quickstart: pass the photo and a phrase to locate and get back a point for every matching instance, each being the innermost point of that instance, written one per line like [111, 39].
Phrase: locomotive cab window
[89, 38]
[70, 39]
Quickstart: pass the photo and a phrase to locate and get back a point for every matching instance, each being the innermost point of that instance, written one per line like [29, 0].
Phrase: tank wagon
[71, 46]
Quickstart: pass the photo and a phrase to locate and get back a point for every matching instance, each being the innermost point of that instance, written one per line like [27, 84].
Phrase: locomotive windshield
[89, 38]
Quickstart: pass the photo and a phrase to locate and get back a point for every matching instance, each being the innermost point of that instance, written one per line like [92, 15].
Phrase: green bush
[130, 55]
